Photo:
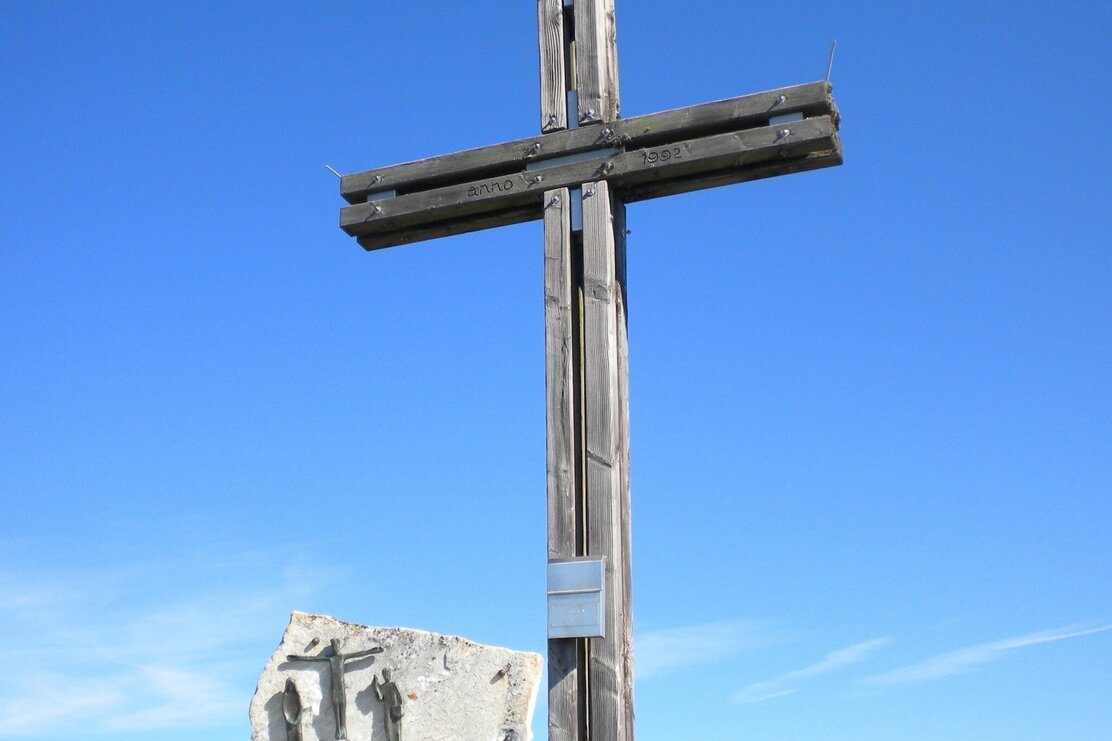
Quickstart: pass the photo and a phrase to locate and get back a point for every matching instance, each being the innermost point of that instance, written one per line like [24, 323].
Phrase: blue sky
[871, 408]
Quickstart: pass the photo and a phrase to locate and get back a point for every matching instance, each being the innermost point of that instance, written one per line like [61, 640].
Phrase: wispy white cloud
[965, 659]
[113, 652]
[761, 691]
[835, 660]
[186, 698]
[832, 661]
[18, 595]
[48, 699]
[661, 651]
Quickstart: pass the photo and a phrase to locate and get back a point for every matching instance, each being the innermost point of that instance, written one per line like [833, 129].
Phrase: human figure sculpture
[336, 662]
[391, 697]
[291, 710]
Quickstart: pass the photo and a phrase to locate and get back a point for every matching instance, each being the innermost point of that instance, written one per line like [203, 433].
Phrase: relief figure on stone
[336, 660]
[391, 697]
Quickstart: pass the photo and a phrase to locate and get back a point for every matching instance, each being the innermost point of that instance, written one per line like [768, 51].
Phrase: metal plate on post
[573, 109]
[576, 196]
[785, 118]
[577, 598]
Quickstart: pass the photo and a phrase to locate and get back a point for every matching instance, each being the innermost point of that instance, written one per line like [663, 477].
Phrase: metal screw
[587, 114]
[554, 202]
[606, 133]
[376, 179]
[608, 167]
[780, 99]
[537, 179]
[783, 134]
[536, 147]
[588, 193]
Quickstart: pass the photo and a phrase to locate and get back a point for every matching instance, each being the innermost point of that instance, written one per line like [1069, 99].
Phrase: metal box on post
[577, 598]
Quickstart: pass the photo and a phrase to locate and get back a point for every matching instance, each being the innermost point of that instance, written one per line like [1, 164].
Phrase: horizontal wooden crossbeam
[812, 99]
[659, 154]
[634, 174]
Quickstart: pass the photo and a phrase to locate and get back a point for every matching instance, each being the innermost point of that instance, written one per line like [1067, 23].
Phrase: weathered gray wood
[476, 222]
[561, 297]
[624, 505]
[645, 191]
[561, 338]
[610, 662]
[644, 170]
[748, 111]
[774, 168]
[813, 100]
[550, 29]
[596, 61]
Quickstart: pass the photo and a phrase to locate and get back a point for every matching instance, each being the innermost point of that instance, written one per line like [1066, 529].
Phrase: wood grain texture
[561, 336]
[748, 111]
[550, 33]
[596, 62]
[647, 172]
[434, 230]
[609, 663]
[625, 498]
[816, 160]
[610, 70]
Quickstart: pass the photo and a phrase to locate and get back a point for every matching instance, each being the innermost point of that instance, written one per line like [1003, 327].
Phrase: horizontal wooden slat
[533, 211]
[812, 161]
[812, 99]
[645, 171]
[505, 217]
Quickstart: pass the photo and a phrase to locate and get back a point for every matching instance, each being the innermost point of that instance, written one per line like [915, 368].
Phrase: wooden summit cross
[577, 176]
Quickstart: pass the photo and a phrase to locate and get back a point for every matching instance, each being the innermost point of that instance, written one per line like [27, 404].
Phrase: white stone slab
[452, 689]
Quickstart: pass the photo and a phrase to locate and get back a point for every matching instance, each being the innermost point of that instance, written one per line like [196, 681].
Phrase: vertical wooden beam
[550, 30]
[590, 680]
[560, 338]
[566, 673]
[610, 662]
[605, 386]
[625, 503]
[596, 61]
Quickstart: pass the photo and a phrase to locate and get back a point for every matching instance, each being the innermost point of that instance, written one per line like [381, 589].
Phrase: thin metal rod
[830, 62]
